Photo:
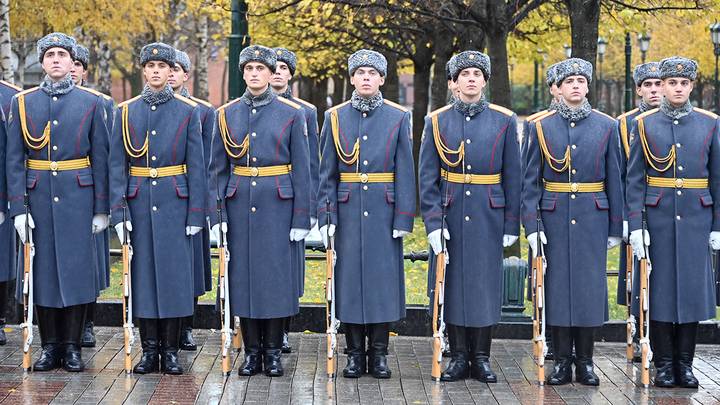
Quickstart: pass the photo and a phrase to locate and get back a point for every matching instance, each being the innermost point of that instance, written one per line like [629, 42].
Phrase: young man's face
[156, 74]
[281, 77]
[554, 91]
[256, 76]
[574, 89]
[177, 77]
[677, 89]
[367, 81]
[470, 83]
[650, 90]
[78, 72]
[57, 63]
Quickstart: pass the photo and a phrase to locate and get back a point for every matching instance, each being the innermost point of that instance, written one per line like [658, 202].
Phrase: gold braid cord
[442, 149]
[32, 142]
[347, 158]
[229, 143]
[668, 160]
[624, 136]
[552, 161]
[129, 148]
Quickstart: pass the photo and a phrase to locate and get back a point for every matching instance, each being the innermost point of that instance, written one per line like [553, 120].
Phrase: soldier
[286, 65]
[7, 233]
[470, 173]
[674, 177]
[202, 270]
[57, 155]
[261, 165]
[79, 73]
[157, 166]
[576, 151]
[648, 87]
[367, 184]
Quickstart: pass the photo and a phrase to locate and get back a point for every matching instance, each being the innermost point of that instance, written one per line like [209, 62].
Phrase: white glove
[509, 240]
[298, 234]
[215, 230]
[313, 221]
[2, 217]
[120, 232]
[625, 231]
[327, 231]
[532, 241]
[20, 225]
[613, 241]
[636, 241]
[192, 230]
[399, 234]
[100, 222]
[436, 242]
[715, 240]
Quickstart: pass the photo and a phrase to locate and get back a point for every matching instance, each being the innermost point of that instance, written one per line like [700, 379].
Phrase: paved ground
[305, 381]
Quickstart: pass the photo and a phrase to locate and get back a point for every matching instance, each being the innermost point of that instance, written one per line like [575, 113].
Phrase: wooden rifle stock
[437, 307]
[629, 353]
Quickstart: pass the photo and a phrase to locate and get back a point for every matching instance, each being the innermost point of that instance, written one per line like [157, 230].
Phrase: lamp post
[541, 78]
[629, 100]
[601, 48]
[715, 37]
[238, 40]
[644, 44]
[536, 88]
[568, 50]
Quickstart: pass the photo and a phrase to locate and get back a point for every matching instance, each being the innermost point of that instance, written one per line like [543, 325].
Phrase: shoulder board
[126, 102]
[203, 102]
[229, 103]
[288, 102]
[305, 103]
[439, 110]
[501, 109]
[646, 113]
[536, 115]
[12, 86]
[338, 106]
[396, 105]
[628, 113]
[605, 115]
[28, 91]
[186, 100]
[548, 114]
[95, 92]
[706, 112]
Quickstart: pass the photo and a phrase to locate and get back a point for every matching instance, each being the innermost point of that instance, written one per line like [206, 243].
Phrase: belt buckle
[468, 178]
[254, 171]
[574, 187]
[679, 183]
[153, 173]
[54, 166]
[363, 177]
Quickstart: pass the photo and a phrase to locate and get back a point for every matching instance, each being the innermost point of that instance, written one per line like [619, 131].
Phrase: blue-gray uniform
[260, 160]
[68, 133]
[157, 163]
[581, 205]
[369, 198]
[481, 194]
[680, 213]
[7, 233]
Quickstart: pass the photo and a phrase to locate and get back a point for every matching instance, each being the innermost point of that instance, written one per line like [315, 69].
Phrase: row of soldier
[155, 166]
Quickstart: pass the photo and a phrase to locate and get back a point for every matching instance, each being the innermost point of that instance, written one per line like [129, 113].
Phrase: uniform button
[677, 145]
[254, 159]
[56, 199]
[253, 134]
[467, 118]
[572, 196]
[572, 125]
[253, 183]
[365, 213]
[572, 221]
[364, 137]
[152, 107]
[55, 122]
[467, 219]
[675, 122]
[254, 111]
[154, 183]
[54, 147]
[365, 162]
[153, 132]
[574, 146]
[365, 187]
[364, 115]
[469, 167]
[467, 192]
[54, 98]
[679, 192]
[253, 209]
[153, 158]
[680, 168]
[54, 173]
[574, 171]
[677, 217]
[468, 141]
[154, 208]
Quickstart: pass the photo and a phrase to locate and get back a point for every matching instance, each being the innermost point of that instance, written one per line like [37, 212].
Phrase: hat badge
[471, 56]
[679, 67]
[257, 53]
[365, 57]
[56, 39]
[576, 65]
[155, 51]
[279, 53]
[653, 69]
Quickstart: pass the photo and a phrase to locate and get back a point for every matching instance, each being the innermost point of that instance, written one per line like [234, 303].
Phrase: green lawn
[415, 277]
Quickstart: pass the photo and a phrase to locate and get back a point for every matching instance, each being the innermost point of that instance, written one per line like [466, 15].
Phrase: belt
[367, 177]
[676, 182]
[262, 171]
[470, 178]
[556, 187]
[55, 166]
[155, 172]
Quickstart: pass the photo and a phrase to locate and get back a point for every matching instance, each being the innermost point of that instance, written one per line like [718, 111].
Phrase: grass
[415, 277]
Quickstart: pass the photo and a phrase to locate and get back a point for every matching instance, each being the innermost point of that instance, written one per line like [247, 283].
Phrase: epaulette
[396, 105]
[95, 92]
[706, 112]
[631, 112]
[28, 91]
[439, 110]
[501, 109]
[12, 86]
[603, 114]
[536, 115]
[646, 113]
[331, 109]
[306, 103]
[203, 102]
[126, 102]
[228, 104]
[186, 100]
[290, 103]
[548, 114]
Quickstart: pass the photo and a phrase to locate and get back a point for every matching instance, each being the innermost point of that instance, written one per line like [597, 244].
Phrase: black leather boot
[458, 368]
[562, 350]
[480, 340]
[52, 350]
[88, 337]
[685, 337]
[187, 342]
[584, 342]
[286, 348]
[3, 308]
[661, 341]
[379, 338]
[355, 342]
[150, 359]
[74, 323]
[549, 344]
[170, 337]
[251, 330]
[272, 346]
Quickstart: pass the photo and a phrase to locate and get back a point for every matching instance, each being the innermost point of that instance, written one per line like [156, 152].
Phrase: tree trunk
[584, 20]
[5, 44]
[391, 88]
[500, 79]
[318, 95]
[200, 85]
[443, 51]
[104, 81]
[338, 89]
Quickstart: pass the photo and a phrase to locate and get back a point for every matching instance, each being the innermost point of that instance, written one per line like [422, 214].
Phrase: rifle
[331, 322]
[630, 328]
[127, 254]
[28, 258]
[645, 270]
[438, 322]
[538, 291]
[227, 334]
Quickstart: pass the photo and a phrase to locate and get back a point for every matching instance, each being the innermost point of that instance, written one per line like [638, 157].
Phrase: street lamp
[601, 48]
[644, 44]
[715, 37]
[536, 88]
[568, 50]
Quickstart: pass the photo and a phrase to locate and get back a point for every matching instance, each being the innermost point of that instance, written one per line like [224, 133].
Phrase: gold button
[468, 178]
[363, 177]
[254, 171]
[678, 183]
[53, 166]
[574, 187]
[153, 173]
